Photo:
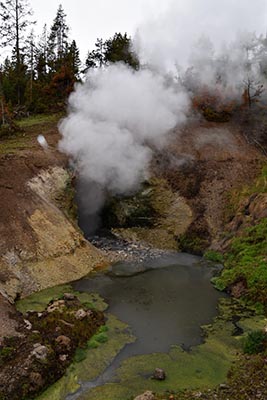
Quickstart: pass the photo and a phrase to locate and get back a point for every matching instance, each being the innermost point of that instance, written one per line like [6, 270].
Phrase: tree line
[38, 73]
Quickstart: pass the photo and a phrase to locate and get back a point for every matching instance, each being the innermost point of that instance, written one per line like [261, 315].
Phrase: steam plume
[115, 117]
[118, 115]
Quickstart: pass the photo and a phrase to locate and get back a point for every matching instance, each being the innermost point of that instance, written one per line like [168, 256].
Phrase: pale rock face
[148, 395]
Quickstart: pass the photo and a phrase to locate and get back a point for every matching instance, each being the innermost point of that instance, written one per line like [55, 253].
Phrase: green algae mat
[204, 366]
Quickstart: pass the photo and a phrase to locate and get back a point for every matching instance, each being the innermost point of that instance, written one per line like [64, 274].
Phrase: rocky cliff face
[40, 246]
[188, 194]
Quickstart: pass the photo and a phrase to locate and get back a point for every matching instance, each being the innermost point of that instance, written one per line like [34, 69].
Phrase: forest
[37, 73]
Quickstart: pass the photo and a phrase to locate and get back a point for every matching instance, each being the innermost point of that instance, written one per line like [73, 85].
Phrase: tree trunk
[17, 50]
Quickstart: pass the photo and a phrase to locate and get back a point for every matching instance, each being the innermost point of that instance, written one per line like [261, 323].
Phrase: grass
[14, 144]
[38, 120]
[21, 139]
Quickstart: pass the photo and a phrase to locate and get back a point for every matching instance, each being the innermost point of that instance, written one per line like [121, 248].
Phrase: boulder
[39, 351]
[148, 395]
[69, 296]
[80, 314]
[159, 374]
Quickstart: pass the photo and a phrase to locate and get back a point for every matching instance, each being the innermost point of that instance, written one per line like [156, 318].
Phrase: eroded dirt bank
[184, 205]
[40, 245]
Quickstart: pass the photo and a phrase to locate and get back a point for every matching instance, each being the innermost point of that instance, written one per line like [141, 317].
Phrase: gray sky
[172, 25]
[97, 18]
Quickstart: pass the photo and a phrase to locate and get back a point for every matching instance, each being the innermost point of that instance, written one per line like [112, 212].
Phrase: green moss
[38, 301]
[255, 342]
[100, 337]
[80, 355]
[66, 200]
[204, 367]
[192, 243]
[214, 256]
[247, 260]
[95, 362]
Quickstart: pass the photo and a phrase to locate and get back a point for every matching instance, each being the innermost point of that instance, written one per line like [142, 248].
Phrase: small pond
[164, 301]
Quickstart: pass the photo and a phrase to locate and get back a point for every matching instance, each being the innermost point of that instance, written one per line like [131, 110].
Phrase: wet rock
[69, 296]
[159, 374]
[39, 351]
[148, 395]
[80, 314]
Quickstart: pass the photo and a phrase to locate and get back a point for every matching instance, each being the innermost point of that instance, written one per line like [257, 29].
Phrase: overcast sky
[90, 19]
[171, 20]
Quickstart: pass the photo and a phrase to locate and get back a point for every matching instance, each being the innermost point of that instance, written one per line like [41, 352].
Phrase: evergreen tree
[116, 49]
[96, 57]
[58, 41]
[41, 56]
[119, 48]
[73, 59]
[15, 18]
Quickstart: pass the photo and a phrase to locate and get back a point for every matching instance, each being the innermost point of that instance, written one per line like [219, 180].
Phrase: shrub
[80, 355]
[256, 342]
[213, 255]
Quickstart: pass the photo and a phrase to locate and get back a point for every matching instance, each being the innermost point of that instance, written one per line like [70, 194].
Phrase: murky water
[165, 302]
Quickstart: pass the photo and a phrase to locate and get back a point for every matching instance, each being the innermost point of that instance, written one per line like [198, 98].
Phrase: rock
[238, 288]
[39, 351]
[28, 325]
[56, 305]
[69, 296]
[63, 357]
[89, 313]
[159, 374]
[80, 314]
[63, 341]
[148, 395]
[36, 379]
[223, 386]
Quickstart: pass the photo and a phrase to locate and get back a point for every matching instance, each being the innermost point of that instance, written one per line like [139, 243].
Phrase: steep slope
[39, 244]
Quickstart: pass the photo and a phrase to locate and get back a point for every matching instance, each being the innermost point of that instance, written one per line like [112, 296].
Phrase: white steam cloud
[170, 37]
[115, 117]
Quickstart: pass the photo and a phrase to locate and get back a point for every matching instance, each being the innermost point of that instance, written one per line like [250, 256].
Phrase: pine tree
[41, 56]
[15, 18]
[73, 59]
[58, 41]
[116, 49]
[96, 57]
[119, 48]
